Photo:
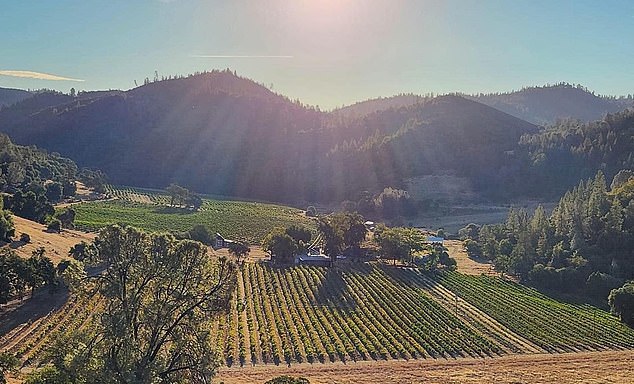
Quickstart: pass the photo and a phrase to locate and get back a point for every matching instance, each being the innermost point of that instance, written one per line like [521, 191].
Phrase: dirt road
[591, 367]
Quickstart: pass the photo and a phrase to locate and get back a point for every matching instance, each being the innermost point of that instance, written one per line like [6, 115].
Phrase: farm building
[314, 260]
[221, 242]
[434, 240]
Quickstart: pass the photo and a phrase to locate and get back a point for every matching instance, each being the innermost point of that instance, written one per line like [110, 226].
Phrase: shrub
[288, 380]
[311, 211]
[201, 233]
[55, 225]
[621, 302]
[25, 238]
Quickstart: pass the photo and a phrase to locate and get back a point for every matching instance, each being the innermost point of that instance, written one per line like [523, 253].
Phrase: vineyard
[29, 341]
[369, 312]
[149, 210]
[554, 326]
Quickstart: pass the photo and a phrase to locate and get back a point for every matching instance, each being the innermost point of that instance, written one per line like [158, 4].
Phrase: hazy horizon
[327, 53]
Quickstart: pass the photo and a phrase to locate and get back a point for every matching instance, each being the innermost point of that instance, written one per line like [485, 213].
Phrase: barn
[221, 242]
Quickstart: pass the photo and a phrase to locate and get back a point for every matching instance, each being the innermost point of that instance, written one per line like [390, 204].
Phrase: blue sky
[324, 52]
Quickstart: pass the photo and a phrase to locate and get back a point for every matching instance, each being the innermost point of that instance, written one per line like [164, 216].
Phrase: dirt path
[474, 317]
[569, 368]
[256, 254]
[467, 265]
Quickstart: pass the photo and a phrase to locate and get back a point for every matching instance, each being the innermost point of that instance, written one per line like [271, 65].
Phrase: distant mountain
[213, 132]
[447, 134]
[219, 133]
[10, 96]
[545, 105]
[364, 108]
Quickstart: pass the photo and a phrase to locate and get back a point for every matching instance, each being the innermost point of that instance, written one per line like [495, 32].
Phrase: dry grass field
[57, 245]
[589, 368]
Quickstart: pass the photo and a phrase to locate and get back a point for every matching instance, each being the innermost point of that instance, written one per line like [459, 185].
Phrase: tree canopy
[160, 295]
[591, 229]
[399, 243]
[280, 245]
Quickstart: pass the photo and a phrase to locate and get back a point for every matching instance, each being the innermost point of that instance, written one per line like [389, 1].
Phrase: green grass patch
[249, 221]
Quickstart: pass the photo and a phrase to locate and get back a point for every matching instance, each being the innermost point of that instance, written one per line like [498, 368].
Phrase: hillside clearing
[466, 264]
[56, 245]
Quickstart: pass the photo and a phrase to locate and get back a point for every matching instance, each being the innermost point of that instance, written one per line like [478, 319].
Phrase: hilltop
[10, 96]
[545, 105]
[219, 133]
[223, 134]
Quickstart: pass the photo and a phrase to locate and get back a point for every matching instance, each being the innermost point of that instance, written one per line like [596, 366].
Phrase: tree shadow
[577, 299]
[17, 244]
[31, 309]
[334, 290]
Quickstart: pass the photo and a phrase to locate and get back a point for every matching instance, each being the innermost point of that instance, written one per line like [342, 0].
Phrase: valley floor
[588, 367]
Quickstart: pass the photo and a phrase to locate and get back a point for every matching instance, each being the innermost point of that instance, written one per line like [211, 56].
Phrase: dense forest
[34, 180]
[216, 132]
[584, 246]
[569, 151]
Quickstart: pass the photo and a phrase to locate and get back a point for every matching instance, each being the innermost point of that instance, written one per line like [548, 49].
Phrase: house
[314, 260]
[221, 242]
[434, 240]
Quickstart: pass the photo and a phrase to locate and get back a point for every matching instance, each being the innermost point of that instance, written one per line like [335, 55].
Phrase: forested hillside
[545, 105]
[567, 152]
[219, 133]
[447, 134]
[364, 108]
[10, 96]
[538, 105]
[583, 247]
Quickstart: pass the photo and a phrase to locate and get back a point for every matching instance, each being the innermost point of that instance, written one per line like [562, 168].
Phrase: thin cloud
[36, 75]
[242, 56]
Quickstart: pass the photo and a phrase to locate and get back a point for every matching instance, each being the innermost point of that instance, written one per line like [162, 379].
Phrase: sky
[323, 52]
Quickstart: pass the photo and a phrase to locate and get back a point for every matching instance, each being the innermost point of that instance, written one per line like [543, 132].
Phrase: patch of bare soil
[587, 367]
[257, 254]
[466, 264]
[83, 193]
[56, 245]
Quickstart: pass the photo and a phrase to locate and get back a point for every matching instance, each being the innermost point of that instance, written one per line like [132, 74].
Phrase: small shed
[434, 240]
[221, 242]
[315, 260]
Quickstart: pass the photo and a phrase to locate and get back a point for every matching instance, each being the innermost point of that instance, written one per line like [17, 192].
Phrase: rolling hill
[545, 105]
[218, 133]
[10, 96]
[538, 105]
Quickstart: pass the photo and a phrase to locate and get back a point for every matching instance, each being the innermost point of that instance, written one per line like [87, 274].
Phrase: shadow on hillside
[17, 244]
[31, 309]
[335, 288]
[573, 299]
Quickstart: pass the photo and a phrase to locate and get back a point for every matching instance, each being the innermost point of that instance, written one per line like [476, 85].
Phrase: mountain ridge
[219, 133]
